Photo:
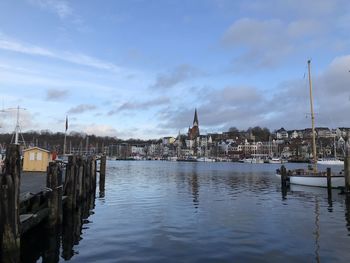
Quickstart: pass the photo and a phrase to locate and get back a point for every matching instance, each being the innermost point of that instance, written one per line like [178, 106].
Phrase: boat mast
[312, 119]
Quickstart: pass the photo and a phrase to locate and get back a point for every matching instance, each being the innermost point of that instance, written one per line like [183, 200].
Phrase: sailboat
[312, 177]
[331, 161]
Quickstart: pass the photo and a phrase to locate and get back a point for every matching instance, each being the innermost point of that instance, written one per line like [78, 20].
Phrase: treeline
[54, 141]
[259, 134]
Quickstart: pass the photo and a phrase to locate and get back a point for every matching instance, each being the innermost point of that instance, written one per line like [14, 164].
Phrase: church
[193, 132]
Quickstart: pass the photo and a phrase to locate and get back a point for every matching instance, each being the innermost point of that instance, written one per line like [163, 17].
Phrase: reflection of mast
[317, 232]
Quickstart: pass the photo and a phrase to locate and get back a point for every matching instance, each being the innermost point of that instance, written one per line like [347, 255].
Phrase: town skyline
[139, 68]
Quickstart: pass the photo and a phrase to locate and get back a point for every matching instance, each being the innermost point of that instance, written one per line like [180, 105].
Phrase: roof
[32, 148]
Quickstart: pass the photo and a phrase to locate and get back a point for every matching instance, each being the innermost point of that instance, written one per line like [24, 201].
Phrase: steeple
[195, 120]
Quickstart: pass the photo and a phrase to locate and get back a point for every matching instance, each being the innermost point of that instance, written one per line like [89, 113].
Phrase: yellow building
[36, 159]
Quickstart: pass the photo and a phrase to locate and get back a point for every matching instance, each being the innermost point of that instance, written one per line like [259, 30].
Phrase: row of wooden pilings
[75, 187]
[345, 190]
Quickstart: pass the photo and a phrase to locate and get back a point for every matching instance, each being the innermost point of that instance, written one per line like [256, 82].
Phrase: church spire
[195, 120]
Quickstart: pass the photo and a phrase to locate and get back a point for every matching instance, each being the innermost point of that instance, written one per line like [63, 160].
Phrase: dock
[31, 199]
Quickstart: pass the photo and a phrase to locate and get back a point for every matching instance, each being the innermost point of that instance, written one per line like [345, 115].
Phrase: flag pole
[65, 137]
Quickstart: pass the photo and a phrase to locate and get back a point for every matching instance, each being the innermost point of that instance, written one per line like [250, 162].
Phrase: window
[31, 156]
[39, 156]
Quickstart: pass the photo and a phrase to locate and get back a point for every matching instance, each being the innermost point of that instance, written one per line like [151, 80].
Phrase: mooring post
[54, 183]
[102, 173]
[329, 182]
[283, 177]
[347, 169]
[80, 180]
[70, 190]
[9, 206]
[93, 175]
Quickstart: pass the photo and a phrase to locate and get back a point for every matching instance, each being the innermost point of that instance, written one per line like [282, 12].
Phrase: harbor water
[159, 211]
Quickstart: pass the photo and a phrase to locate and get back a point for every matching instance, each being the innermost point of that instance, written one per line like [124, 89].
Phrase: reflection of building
[195, 189]
[193, 132]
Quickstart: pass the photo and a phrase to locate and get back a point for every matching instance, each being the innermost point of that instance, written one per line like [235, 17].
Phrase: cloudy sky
[134, 68]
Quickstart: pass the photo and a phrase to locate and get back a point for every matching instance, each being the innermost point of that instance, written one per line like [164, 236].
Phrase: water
[157, 211]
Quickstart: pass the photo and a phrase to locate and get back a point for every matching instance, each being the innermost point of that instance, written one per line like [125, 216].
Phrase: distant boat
[330, 161]
[313, 177]
[253, 160]
[205, 159]
[277, 160]
[187, 159]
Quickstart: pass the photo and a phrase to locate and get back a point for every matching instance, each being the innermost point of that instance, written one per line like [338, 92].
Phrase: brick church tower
[193, 132]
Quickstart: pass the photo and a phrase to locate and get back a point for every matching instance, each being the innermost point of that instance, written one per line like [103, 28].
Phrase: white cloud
[56, 94]
[98, 129]
[62, 8]
[81, 108]
[9, 44]
[175, 76]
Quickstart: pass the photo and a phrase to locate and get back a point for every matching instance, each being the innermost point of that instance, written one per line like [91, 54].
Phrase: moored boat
[309, 178]
[312, 177]
[330, 161]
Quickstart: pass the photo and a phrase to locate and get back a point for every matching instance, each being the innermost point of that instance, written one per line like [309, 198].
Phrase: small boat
[253, 160]
[187, 159]
[309, 178]
[205, 159]
[277, 160]
[330, 161]
[312, 177]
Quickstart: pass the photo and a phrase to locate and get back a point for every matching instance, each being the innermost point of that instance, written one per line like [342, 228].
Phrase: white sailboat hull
[315, 180]
[330, 162]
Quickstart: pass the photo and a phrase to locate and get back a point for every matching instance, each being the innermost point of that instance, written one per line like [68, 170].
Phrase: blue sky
[138, 68]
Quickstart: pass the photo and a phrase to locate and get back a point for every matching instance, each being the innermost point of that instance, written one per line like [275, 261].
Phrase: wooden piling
[283, 177]
[347, 171]
[329, 182]
[70, 182]
[80, 179]
[9, 206]
[102, 173]
[93, 175]
[54, 183]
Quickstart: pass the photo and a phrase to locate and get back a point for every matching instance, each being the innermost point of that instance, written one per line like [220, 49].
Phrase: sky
[138, 69]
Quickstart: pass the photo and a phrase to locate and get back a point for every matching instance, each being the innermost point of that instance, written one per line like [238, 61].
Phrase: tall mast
[312, 119]
[17, 128]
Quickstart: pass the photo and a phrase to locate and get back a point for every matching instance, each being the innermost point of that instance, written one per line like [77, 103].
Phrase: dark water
[199, 212]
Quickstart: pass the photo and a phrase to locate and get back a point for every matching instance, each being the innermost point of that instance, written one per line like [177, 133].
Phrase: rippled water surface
[156, 211]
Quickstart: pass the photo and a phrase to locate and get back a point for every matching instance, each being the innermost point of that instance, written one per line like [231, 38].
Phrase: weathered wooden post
[52, 253]
[283, 176]
[9, 205]
[70, 182]
[93, 175]
[329, 182]
[102, 174]
[347, 168]
[54, 183]
[80, 181]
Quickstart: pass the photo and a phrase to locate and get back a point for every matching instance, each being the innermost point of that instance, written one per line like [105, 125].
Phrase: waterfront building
[282, 134]
[36, 159]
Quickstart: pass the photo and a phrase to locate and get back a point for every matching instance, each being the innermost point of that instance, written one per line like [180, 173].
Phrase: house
[282, 134]
[36, 159]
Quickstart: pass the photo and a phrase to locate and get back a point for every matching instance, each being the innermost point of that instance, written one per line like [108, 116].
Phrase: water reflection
[45, 243]
[152, 214]
[195, 189]
[347, 212]
[317, 231]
